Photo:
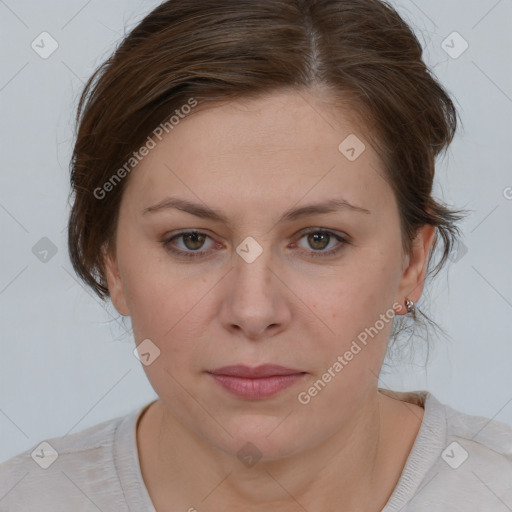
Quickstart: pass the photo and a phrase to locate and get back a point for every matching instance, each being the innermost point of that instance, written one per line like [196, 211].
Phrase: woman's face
[312, 291]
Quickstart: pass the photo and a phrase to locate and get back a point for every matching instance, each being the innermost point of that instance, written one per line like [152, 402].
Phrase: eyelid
[331, 232]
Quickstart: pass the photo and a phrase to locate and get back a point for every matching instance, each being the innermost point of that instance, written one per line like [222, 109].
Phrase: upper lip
[265, 370]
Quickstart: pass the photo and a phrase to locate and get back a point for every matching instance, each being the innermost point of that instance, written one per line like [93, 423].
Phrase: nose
[255, 303]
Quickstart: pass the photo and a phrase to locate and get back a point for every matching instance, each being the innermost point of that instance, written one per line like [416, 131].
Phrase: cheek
[169, 308]
[161, 308]
[351, 303]
[166, 316]
[154, 291]
[359, 291]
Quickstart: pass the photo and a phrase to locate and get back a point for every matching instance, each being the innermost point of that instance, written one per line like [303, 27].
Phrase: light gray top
[458, 463]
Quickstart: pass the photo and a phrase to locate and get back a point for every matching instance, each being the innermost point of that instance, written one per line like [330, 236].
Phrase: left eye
[319, 239]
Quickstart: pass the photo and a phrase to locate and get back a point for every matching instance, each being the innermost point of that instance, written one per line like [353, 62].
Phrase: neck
[367, 453]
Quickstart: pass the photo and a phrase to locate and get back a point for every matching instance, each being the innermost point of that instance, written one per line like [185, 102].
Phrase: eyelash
[197, 254]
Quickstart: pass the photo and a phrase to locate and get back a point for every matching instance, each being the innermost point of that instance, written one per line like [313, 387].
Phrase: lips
[256, 382]
[258, 372]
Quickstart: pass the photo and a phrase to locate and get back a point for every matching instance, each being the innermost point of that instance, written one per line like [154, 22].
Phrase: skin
[253, 160]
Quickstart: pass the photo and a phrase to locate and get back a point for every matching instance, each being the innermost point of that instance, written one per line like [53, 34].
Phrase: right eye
[192, 240]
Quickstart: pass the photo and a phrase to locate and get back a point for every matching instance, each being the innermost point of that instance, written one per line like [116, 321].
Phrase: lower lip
[257, 388]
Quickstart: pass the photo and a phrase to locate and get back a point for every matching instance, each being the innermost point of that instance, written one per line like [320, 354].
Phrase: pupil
[194, 236]
[316, 237]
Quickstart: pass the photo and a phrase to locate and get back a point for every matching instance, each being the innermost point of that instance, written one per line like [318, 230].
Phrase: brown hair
[360, 51]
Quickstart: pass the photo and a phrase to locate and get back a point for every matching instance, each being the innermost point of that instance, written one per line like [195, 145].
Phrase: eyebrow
[206, 212]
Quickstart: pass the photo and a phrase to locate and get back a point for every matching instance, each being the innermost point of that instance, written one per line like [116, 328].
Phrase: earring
[411, 308]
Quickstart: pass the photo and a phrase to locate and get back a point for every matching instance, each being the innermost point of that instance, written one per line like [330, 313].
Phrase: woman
[252, 186]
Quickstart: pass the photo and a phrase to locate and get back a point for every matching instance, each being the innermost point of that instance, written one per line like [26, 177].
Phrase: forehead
[281, 147]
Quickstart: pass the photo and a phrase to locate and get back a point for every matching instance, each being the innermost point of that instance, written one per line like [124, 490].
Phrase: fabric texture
[458, 463]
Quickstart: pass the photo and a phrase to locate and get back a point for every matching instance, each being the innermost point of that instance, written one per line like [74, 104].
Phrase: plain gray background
[67, 360]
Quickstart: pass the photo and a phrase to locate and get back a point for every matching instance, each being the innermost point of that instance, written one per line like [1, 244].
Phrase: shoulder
[487, 442]
[487, 436]
[61, 472]
[459, 462]
[478, 458]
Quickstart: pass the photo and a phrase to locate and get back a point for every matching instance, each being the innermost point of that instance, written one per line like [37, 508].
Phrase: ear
[413, 277]
[115, 283]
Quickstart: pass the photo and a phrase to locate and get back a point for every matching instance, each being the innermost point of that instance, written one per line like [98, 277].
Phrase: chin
[262, 438]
